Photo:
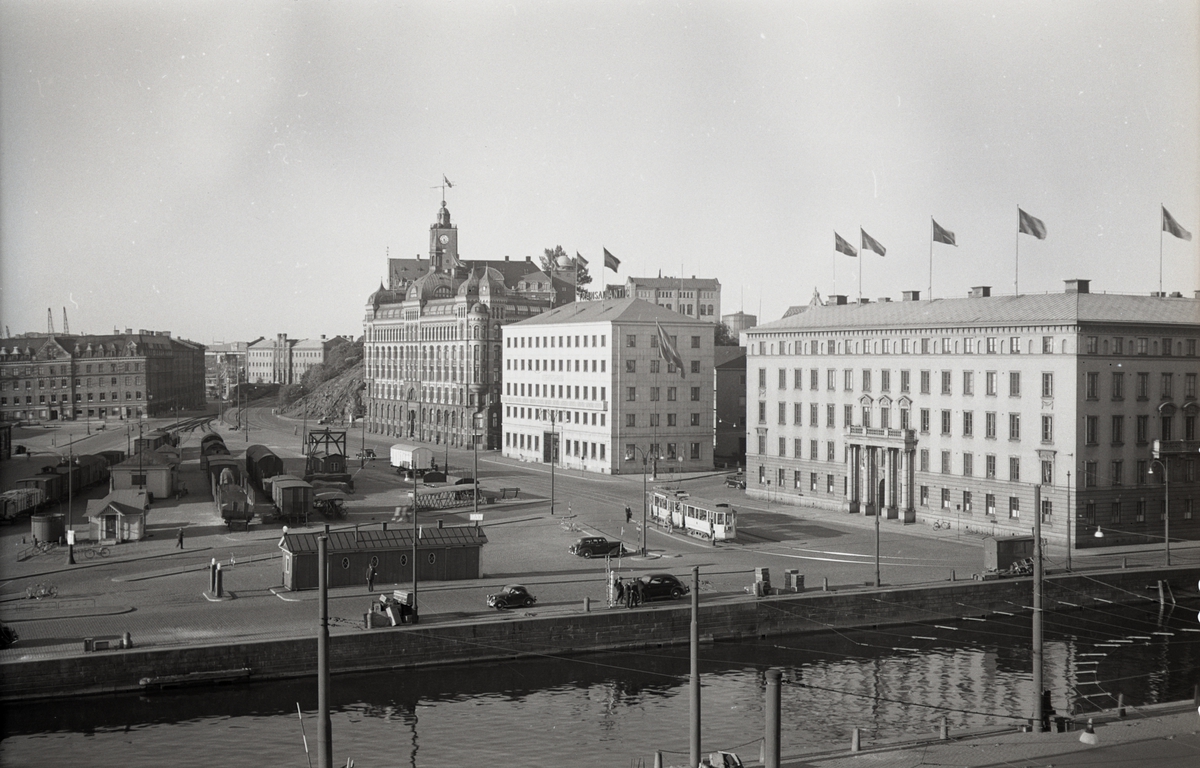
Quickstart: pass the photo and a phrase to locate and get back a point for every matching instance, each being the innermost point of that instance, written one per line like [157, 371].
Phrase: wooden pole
[771, 756]
[1038, 713]
[694, 735]
[324, 727]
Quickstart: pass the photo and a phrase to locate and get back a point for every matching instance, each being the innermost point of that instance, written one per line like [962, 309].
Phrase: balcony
[900, 438]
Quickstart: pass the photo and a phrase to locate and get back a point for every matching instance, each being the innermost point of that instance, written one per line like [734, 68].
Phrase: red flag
[840, 245]
[610, 261]
[1172, 226]
[668, 352]
[942, 235]
[1028, 225]
[870, 243]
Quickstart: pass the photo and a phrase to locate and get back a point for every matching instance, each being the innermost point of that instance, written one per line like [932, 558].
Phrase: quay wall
[517, 635]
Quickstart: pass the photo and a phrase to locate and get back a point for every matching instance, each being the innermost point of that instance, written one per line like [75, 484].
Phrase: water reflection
[888, 682]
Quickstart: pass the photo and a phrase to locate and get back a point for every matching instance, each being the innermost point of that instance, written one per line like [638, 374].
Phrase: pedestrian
[628, 514]
[620, 590]
[371, 577]
[179, 540]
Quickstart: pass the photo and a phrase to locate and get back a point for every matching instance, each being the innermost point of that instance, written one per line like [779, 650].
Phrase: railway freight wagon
[211, 444]
[152, 441]
[52, 485]
[87, 471]
[20, 501]
[262, 463]
[216, 466]
[292, 497]
[406, 457]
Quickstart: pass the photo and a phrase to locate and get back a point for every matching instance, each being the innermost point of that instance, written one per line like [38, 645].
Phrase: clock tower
[443, 242]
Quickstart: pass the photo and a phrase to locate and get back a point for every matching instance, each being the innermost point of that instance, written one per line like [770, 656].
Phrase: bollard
[953, 576]
[220, 591]
[212, 577]
[825, 584]
[1120, 705]
[943, 730]
[854, 741]
[385, 525]
[1124, 562]
[126, 640]
[1089, 735]
[587, 605]
[658, 759]
[762, 751]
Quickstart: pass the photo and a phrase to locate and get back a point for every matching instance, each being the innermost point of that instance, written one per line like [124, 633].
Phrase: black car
[512, 596]
[735, 481]
[596, 546]
[662, 586]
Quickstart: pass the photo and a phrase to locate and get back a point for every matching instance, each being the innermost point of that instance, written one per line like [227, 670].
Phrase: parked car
[662, 586]
[595, 546]
[735, 481]
[512, 596]
[367, 453]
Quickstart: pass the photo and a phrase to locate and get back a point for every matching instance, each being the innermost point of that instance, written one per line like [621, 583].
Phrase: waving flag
[580, 261]
[1028, 225]
[941, 235]
[870, 243]
[840, 245]
[446, 181]
[1172, 226]
[669, 352]
[610, 261]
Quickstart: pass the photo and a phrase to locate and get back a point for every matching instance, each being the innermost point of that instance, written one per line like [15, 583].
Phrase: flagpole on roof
[861, 259]
[931, 258]
[1162, 220]
[1017, 255]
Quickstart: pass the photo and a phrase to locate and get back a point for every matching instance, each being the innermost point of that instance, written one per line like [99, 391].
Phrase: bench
[509, 493]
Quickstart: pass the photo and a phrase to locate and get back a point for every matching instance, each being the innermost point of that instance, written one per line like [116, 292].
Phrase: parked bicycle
[96, 551]
[39, 591]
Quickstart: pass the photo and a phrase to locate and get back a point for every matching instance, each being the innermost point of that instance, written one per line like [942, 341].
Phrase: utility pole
[1038, 710]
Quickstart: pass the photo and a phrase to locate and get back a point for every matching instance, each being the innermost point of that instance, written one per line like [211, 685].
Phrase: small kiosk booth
[443, 554]
[118, 517]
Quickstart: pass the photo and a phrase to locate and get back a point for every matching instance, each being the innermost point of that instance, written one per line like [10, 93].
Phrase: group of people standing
[631, 594]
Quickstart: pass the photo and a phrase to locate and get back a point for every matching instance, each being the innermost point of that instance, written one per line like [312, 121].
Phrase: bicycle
[100, 551]
[938, 524]
[38, 592]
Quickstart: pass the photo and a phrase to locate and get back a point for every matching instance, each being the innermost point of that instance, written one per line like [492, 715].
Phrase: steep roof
[614, 311]
[1068, 308]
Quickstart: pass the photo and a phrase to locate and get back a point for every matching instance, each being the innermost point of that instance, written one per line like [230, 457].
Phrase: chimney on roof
[912, 295]
[1176, 295]
[527, 258]
[1078, 286]
[837, 299]
[861, 300]
[884, 300]
[980, 292]
[506, 257]
[1158, 294]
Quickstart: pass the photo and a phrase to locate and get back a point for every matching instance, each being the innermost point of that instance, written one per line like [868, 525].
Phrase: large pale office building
[956, 410]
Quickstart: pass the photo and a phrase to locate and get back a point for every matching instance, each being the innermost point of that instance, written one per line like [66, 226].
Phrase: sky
[230, 170]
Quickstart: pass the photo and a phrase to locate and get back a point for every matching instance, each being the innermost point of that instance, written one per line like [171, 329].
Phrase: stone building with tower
[432, 344]
[957, 410]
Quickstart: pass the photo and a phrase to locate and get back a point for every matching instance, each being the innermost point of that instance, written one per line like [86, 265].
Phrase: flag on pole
[870, 243]
[1170, 225]
[447, 181]
[610, 261]
[668, 352]
[941, 235]
[1029, 225]
[580, 261]
[841, 246]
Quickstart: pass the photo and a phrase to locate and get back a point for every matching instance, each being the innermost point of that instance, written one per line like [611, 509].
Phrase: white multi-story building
[957, 410]
[698, 297]
[585, 386]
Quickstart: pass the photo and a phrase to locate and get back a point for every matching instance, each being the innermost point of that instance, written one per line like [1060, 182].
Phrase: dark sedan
[595, 546]
[512, 596]
[662, 586]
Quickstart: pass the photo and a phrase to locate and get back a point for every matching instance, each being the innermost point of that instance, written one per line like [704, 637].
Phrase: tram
[704, 518]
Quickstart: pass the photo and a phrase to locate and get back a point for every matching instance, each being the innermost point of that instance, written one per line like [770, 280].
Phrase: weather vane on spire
[445, 183]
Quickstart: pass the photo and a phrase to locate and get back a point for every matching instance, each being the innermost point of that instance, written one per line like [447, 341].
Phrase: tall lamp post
[647, 458]
[1070, 516]
[475, 448]
[553, 453]
[1162, 463]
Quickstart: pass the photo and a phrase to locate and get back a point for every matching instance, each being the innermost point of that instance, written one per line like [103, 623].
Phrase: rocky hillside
[337, 399]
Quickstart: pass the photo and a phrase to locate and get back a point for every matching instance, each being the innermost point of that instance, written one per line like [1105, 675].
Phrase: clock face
[444, 239]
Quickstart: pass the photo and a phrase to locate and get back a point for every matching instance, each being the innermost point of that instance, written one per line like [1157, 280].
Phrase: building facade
[432, 344]
[739, 321]
[224, 367]
[285, 361]
[100, 377]
[689, 296]
[729, 405]
[586, 387]
[960, 410]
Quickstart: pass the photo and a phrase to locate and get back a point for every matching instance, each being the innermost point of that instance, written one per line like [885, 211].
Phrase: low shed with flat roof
[443, 554]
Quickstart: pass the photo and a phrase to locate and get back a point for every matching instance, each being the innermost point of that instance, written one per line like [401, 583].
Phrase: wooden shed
[152, 471]
[443, 554]
[118, 517]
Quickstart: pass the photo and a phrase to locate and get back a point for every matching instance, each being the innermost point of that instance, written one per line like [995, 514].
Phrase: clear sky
[226, 170]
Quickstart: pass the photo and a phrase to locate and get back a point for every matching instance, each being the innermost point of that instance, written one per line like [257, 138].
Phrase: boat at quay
[894, 682]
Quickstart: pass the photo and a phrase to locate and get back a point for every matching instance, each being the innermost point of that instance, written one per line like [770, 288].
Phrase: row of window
[671, 454]
[65, 383]
[65, 370]
[576, 448]
[1142, 470]
[1142, 380]
[78, 398]
[564, 341]
[560, 417]
[656, 392]
[991, 381]
[1166, 429]
[539, 364]
[556, 391]
[990, 345]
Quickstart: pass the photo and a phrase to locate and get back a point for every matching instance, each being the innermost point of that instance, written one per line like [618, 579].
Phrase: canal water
[618, 708]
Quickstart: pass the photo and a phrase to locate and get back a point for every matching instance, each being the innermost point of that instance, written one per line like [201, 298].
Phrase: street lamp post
[1070, 516]
[475, 447]
[552, 451]
[649, 460]
[1166, 505]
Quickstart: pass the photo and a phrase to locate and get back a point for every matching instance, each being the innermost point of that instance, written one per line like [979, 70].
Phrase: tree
[549, 262]
[582, 278]
[726, 337]
[550, 259]
[289, 393]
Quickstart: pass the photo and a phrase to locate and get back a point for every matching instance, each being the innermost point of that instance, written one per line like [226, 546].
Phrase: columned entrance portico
[880, 464]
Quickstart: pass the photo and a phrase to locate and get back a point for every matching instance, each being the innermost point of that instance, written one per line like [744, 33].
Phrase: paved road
[155, 590]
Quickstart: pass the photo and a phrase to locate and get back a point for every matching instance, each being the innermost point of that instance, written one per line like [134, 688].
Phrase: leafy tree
[290, 393]
[726, 337]
[550, 258]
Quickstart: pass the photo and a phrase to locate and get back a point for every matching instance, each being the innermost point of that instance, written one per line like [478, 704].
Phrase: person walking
[619, 589]
[371, 577]
[179, 540]
[628, 514]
